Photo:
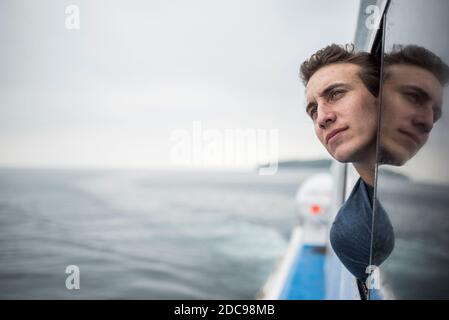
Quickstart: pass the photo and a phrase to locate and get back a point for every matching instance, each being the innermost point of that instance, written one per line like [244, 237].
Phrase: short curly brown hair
[370, 66]
[420, 57]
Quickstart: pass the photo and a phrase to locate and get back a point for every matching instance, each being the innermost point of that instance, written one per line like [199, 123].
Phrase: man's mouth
[331, 136]
[412, 136]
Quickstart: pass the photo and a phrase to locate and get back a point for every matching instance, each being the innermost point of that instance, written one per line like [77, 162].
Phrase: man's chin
[340, 157]
[346, 153]
[393, 158]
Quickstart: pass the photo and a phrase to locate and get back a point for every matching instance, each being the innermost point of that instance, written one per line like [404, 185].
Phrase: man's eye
[413, 97]
[336, 94]
[312, 111]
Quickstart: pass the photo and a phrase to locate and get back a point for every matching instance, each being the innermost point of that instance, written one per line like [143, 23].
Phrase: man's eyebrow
[331, 87]
[326, 91]
[422, 92]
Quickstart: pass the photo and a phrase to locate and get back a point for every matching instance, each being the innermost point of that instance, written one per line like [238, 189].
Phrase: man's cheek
[320, 137]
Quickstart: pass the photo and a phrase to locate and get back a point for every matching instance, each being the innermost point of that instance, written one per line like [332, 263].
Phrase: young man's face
[343, 111]
[411, 103]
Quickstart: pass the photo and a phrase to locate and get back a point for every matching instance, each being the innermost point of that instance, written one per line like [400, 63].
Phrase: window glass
[411, 215]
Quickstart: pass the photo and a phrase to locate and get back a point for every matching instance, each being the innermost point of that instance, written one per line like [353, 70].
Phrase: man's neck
[366, 171]
[366, 164]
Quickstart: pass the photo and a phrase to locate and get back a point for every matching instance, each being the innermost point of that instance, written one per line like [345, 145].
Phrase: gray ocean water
[155, 235]
[142, 235]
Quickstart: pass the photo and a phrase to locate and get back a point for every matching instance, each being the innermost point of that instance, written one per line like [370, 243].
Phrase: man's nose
[325, 116]
[423, 121]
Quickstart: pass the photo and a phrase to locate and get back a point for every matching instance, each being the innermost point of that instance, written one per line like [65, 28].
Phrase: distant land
[301, 164]
[325, 164]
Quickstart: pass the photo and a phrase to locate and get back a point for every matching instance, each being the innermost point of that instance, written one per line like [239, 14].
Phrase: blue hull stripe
[306, 278]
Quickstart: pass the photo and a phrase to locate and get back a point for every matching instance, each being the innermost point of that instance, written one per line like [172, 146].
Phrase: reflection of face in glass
[411, 103]
[412, 94]
[343, 111]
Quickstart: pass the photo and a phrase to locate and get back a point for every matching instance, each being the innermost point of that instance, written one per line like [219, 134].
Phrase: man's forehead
[402, 74]
[327, 75]
[412, 74]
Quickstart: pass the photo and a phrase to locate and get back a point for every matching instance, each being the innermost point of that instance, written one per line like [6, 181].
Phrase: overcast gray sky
[111, 93]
